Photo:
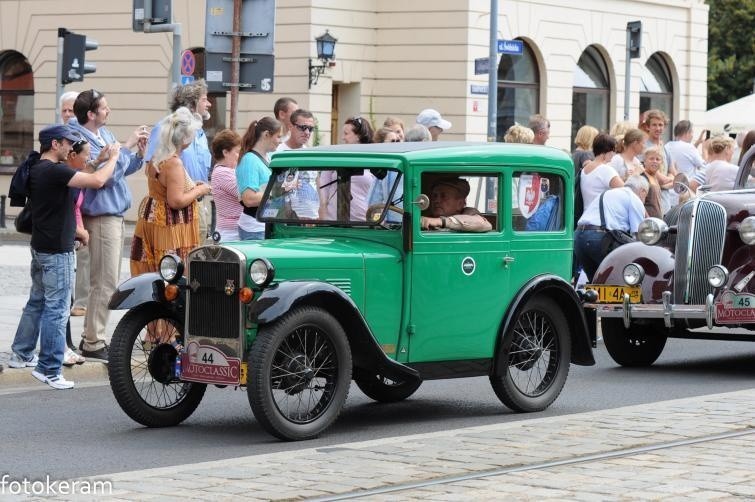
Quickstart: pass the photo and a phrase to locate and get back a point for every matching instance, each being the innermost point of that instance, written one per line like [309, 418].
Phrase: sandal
[70, 358]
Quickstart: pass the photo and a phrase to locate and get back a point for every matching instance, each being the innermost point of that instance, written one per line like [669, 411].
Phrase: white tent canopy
[737, 116]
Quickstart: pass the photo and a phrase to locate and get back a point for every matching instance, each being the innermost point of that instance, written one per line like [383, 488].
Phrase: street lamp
[326, 46]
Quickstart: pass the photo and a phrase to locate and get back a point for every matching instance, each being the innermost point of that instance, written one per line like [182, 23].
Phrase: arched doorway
[518, 90]
[657, 89]
[591, 95]
[16, 109]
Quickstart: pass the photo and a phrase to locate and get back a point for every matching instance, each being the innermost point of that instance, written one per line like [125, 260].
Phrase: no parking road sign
[188, 63]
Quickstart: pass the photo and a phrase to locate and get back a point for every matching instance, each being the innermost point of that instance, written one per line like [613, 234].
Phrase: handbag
[612, 239]
[23, 220]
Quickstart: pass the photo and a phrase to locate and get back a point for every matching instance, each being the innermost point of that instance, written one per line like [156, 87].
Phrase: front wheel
[300, 372]
[535, 356]
[637, 346]
[141, 366]
[384, 389]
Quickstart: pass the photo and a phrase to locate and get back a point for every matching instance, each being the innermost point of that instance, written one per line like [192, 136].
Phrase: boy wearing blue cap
[52, 192]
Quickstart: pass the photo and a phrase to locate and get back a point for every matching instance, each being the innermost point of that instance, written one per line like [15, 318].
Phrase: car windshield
[353, 197]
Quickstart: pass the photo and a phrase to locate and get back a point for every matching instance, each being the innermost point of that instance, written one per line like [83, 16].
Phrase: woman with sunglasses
[387, 135]
[356, 130]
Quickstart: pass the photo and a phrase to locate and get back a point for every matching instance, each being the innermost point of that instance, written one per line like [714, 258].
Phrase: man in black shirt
[52, 188]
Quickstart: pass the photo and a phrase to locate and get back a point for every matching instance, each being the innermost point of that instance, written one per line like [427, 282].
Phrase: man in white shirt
[623, 209]
[305, 203]
[681, 151]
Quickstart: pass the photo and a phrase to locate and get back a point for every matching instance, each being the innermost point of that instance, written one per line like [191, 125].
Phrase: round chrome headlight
[747, 230]
[261, 272]
[171, 267]
[633, 274]
[651, 230]
[717, 276]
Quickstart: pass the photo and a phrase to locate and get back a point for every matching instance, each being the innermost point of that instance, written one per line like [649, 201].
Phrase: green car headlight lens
[261, 272]
[171, 267]
[717, 276]
[633, 274]
[651, 230]
[747, 230]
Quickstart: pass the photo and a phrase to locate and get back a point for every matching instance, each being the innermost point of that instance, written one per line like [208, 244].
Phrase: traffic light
[74, 56]
[634, 38]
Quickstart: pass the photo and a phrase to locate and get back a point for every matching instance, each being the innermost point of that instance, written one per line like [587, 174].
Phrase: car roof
[447, 151]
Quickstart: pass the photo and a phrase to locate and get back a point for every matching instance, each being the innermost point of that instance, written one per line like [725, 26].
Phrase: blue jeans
[47, 312]
[251, 236]
[587, 248]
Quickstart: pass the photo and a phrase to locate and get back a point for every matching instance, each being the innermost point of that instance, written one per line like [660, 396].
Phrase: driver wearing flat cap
[448, 208]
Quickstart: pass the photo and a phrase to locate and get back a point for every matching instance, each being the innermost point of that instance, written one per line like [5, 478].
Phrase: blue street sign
[513, 47]
[187, 79]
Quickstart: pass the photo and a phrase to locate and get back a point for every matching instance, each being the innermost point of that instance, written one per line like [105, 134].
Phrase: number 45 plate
[735, 309]
[615, 294]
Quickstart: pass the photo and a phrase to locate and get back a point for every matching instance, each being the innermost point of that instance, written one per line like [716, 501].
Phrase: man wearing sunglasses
[51, 191]
[103, 213]
[302, 126]
[304, 201]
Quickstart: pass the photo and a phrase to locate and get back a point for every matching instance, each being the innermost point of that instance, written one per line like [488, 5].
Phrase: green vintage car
[349, 286]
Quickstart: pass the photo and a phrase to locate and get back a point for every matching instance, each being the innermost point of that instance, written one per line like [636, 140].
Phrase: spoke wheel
[637, 346]
[141, 367]
[300, 371]
[535, 354]
[384, 389]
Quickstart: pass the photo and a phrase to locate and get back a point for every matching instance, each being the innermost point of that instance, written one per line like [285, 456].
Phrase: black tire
[141, 371]
[384, 389]
[300, 372]
[535, 356]
[637, 346]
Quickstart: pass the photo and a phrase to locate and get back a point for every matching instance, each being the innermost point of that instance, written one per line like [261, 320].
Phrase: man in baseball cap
[58, 132]
[434, 122]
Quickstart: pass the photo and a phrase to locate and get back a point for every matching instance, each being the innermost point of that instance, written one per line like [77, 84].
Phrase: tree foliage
[731, 50]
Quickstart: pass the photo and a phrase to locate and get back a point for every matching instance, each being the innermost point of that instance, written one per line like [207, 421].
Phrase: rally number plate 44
[615, 294]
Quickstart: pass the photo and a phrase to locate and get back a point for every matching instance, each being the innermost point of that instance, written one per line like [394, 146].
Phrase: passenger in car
[448, 208]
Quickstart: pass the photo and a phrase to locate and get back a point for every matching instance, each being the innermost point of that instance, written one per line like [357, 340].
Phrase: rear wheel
[300, 372]
[634, 347]
[141, 366]
[535, 356]
[384, 389]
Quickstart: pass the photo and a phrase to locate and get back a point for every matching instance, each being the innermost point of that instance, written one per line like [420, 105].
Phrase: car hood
[332, 252]
[738, 204]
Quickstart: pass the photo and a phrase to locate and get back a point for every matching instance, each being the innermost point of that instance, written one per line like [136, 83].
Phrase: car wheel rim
[304, 374]
[533, 357]
[152, 362]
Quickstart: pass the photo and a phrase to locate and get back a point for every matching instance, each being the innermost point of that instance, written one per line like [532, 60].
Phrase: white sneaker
[56, 382]
[16, 361]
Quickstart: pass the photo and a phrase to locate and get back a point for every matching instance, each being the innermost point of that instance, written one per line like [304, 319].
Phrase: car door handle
[508, 260]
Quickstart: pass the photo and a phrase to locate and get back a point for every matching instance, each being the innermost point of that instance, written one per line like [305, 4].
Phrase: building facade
[392, 59]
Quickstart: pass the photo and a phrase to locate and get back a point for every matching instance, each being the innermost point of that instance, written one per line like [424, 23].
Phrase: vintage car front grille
[212, 311]
[699, 245]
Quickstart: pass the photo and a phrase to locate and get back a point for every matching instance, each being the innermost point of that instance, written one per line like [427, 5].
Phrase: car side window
[462, 193]
[537, 202]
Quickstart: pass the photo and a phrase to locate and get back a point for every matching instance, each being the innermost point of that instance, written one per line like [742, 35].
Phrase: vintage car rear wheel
[536, 363]
[384, 389]
[299, 374]
[141, 360]
[632, 347]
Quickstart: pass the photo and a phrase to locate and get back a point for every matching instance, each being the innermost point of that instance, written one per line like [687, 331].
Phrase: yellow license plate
[615, 294]
[242, 374]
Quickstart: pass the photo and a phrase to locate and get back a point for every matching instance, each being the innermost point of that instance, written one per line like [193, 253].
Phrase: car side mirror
[422, 201]
[681, 183]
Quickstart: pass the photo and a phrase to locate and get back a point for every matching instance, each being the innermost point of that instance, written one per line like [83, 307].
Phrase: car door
[459, 281]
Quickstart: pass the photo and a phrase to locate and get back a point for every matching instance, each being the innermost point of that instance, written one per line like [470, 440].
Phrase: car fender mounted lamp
[326, 47]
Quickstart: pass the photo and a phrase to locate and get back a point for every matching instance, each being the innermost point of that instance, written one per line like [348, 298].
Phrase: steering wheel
[375, 211]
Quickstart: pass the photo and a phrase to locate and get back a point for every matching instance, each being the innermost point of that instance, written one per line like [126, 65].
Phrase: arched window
[657, 90]
[591, 93]
[518, 90]
[16, 109]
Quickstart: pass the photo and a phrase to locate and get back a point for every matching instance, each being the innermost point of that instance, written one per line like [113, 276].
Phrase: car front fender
[144, 288]
[656, 261]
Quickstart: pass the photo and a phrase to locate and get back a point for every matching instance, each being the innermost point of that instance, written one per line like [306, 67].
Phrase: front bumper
[666, 310]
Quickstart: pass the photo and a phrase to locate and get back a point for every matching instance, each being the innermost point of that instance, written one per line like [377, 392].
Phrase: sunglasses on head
[305, 128]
